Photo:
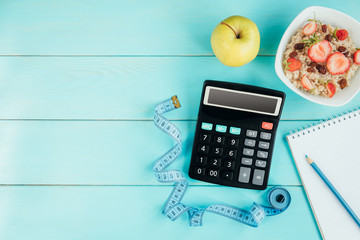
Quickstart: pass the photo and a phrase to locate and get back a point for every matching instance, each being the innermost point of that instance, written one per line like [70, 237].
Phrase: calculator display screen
[243, 101]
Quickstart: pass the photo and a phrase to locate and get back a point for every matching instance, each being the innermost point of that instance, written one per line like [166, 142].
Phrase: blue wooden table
[78, 83]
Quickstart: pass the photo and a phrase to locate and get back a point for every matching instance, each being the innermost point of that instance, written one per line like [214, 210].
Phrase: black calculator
[235, 134]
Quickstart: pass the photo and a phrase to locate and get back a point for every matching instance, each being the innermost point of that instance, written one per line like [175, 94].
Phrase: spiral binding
[333, 120]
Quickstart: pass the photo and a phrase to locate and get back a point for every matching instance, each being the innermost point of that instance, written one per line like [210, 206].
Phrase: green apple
[235, 41]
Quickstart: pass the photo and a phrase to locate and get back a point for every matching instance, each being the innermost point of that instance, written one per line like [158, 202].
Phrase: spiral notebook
[334, 145]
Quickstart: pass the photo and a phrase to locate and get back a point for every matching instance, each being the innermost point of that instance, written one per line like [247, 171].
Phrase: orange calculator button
[267, 125]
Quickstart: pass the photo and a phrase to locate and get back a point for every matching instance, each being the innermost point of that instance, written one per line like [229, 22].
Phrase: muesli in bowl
[321, 59]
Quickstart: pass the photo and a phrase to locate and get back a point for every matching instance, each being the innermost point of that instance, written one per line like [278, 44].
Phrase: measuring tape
[278, 198]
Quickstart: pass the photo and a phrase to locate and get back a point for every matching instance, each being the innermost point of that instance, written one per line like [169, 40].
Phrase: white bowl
[335, 19]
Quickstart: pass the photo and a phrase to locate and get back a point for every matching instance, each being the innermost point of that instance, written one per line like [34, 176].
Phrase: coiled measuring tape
[278, 198]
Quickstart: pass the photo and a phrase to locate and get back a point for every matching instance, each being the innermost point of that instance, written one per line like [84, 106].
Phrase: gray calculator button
[259, 163]
[250, 142]
[244, 175]
[262, 154]
[251, 133]
[258, 177]
[246, 161]
[265, 135]
[248, 152]
[264, 145]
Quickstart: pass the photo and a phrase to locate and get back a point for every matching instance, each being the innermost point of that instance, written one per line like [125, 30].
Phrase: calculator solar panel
[235, 134]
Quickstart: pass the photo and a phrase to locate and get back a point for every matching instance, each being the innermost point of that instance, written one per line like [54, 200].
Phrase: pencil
[334, 191]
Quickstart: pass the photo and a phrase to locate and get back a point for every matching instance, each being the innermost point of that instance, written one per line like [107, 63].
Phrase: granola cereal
[321, 59]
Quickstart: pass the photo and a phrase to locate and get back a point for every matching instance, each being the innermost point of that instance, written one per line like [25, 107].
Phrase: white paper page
[336, 150]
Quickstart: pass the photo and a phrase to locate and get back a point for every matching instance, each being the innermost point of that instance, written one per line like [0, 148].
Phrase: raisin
[293, 54]
[341, 49]
[328, 37]
[342, 83]
[310, 70]
[346, 53]
[313, 64]
[321, 69]
[324, 28]
[299, 46]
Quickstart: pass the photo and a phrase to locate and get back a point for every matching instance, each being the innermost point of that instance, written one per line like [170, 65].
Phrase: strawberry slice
[331, 89]
[292, 64]
[341, 34]
[338, 63]
[305, 82]
[320, 52]
[357, 57]
[309, 28]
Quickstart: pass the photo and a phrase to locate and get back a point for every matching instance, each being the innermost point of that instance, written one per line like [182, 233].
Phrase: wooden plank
[140, 27]
[59, 213]
[129, 88]
[107, 152]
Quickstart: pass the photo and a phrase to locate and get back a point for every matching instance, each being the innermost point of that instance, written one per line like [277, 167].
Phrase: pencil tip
[308, 159]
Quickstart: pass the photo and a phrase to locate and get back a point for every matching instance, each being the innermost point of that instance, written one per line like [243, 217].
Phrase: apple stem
[236, 35]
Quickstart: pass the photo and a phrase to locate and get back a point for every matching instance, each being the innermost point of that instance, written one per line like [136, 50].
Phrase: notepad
[334, 145]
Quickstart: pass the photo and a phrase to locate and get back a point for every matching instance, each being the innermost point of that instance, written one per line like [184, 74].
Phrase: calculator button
[248, 152]
[214, 173]
[215, 162]
[204, 137]
[229, 164]
[231, 153]
[251, 133]
[201, 160]
[206, 126]
[234, 142]
[200, 171]
[262, 154]
[244, 175]
[227, 176]
[258, 177]
[266, 136]
[267, 125]
[221, 128]
[246, 161]
[259, 163]
[250, 142]
[264, 145]
[219, 139]
[235, 130]
[218, 151]
[203, 148]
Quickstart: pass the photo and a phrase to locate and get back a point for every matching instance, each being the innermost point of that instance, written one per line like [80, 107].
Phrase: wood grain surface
[78, 84]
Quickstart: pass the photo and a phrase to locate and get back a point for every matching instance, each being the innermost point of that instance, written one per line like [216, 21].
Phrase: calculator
[235, 134]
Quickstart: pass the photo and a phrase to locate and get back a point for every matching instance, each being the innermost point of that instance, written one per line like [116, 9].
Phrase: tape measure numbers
[278, 198]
